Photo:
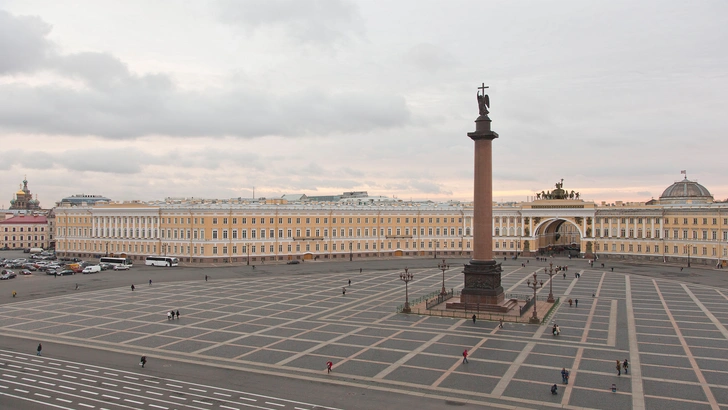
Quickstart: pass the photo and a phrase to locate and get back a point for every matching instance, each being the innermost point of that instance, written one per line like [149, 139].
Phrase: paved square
[673, 334]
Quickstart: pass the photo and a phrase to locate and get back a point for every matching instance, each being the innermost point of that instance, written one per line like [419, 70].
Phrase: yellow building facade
[685, 224]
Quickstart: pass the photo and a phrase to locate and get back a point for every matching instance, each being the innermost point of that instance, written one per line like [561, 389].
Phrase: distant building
[82, 199]
[24, 231]
[24, 199]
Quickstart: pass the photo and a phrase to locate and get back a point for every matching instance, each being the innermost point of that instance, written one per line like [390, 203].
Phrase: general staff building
[684, 224]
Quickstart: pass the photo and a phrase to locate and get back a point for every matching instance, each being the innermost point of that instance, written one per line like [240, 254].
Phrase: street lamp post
[689, 246]
[406, 277]
[443, 266]
[351, 252]
[535, 285]
[550, 271]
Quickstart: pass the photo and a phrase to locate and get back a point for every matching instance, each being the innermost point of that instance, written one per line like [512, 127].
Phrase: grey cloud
[135, 111]
[429, 57]
[106, 160]
[118, 104]
[316, 22]
[23, 43]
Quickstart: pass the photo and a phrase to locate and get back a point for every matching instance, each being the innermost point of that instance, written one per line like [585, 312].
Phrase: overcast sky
[145, 100]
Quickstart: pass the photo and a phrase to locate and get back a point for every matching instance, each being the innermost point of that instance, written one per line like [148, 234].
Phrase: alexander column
[483, 273]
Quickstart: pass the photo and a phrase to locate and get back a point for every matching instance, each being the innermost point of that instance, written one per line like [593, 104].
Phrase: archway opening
[558, 236]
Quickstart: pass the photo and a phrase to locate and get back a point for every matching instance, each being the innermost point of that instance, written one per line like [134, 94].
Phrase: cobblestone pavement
[673, 334]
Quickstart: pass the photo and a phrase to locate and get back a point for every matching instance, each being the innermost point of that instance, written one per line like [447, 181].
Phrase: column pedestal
[482, 283]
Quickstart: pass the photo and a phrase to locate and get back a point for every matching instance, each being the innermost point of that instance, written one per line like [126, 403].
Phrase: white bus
[115, 261]
[162, 261]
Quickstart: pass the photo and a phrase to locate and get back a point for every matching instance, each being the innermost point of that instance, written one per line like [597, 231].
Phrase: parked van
[36, 250]
[91, 269]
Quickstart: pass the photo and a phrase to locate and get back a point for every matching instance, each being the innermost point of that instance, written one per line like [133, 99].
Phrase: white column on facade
[500, 226]
[601, 227]
[583, 226]
[662, 232]
[530, 226]
[619, 227]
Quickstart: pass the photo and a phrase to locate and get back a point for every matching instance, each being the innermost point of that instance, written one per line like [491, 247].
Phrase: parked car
[26, 272]
[106, 266]
[4, 277]
[293, 262]
[10, 273]
[66, 272]
[121, 267]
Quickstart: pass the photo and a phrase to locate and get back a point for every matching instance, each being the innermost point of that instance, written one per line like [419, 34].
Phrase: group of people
[556, 330]
[172, 314]
[622, 366]
[575, 301]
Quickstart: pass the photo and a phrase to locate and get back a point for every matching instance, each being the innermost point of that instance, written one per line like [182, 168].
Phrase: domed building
[24, 199]
[686, 192]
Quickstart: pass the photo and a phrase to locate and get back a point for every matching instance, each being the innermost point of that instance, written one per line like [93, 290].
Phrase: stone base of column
[482, 283]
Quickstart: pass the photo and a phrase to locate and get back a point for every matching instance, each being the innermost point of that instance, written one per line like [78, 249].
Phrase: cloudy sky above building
[145, 100]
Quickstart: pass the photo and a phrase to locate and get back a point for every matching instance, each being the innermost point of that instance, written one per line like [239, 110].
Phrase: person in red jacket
[465, 356]
[328, 366]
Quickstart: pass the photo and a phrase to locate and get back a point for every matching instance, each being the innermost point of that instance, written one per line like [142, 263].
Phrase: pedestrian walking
[500, 325]
[558, 330]
[343, 291]
[576, 302]
[619, 368]
[563, 375]
[169, 315]
[465, 356]
[612, 268]
[15, 293]
[359, 272]
[554, 389]
[76, 287]
[553, 330]
[205, 278]
[177, 313]
[567, 377]
[564, 274]
[132, 288]
[349, 282]
[150, 282]
[474, 318]
[143, 361]
[328, 366]
[625, 366]
[40, 348]
[570, 302]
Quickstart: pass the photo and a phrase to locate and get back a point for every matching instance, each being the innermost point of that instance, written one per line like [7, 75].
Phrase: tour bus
[162, 261]
[109, 260]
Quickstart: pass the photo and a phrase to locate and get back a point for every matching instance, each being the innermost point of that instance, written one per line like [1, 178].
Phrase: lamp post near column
[351, 252]
[535, 285]
[406, 277]
[443, 266]
[550, 271]
[689, 246]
